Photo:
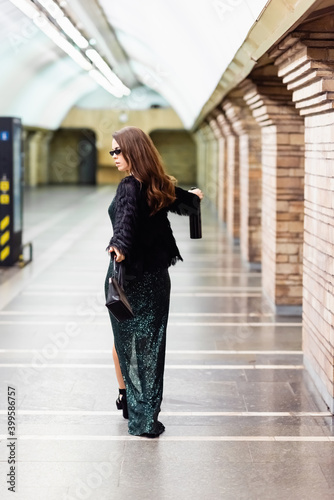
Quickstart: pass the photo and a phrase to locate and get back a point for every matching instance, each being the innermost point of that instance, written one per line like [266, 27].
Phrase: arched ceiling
[38, 81]
[181, 47]
[175, 52]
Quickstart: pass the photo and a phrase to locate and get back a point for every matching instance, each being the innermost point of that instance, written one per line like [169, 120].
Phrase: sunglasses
[116, 151]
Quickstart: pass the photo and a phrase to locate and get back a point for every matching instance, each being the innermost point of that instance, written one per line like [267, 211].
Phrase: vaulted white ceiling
[178, 49]
[181, 47]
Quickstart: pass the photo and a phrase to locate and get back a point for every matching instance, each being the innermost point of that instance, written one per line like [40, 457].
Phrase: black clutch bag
[195, 222]
[117, 303]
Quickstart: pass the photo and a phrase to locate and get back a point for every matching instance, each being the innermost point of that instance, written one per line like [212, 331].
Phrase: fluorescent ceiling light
[107, 71]
[101, 80]
[105, 76]
[51, 31]
[96, 59]
[72, 32]
[27, 7]
[126, 90]
[52, 8]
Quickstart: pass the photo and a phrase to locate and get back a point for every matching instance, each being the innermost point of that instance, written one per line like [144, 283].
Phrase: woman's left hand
[119, 255]
[198, 192]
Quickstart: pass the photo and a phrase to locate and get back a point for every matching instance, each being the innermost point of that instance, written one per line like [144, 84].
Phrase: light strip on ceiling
[72, 32]
[27, 7]
[100, 63]
[66, 25]
[49, 29]
[101, 80]
[107, 79]
[53, 9]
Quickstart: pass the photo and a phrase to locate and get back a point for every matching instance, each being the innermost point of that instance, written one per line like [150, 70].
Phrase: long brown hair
[146, 165]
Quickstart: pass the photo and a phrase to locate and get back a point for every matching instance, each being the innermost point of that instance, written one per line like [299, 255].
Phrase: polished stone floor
[242, 418]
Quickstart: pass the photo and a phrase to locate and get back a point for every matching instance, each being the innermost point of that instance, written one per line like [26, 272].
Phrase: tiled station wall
[305, 63]
[296, 133]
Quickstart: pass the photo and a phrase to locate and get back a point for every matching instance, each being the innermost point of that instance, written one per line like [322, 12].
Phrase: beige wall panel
[105, 122]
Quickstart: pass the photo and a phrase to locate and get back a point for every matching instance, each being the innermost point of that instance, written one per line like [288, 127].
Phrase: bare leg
[119, 375]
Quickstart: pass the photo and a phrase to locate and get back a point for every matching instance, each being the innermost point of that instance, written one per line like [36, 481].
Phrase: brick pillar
[305, 60]
[216, 130]
[282, 188]
[249, 134]
[210, 176]
[212, 187]
[232, 192]
[199, 138]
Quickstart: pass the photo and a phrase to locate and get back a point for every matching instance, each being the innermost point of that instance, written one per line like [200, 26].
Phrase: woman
[143, 238]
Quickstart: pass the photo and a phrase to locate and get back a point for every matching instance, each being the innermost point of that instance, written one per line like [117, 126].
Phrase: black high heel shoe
[121, 403]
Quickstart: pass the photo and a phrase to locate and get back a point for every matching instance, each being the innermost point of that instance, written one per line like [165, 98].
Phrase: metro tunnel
[235, 96]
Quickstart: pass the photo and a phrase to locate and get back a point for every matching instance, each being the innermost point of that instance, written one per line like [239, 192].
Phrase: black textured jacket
[146, 240]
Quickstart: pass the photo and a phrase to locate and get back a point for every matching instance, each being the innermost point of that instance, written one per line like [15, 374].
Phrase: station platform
[242, 418]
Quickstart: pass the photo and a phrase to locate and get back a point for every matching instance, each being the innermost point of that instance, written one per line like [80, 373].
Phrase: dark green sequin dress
[140, 344]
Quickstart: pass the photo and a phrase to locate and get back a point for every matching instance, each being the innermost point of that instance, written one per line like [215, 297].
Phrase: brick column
[232, 192]
[210, 181]
[199, 138]
[212, 186]
[249, 134]
[216, 130]
[305, 60]
[282, 188]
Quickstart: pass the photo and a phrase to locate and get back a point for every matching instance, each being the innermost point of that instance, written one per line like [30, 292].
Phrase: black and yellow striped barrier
[5, 222]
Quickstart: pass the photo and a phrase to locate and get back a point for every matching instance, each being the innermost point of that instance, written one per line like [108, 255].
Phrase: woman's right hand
[119, 255]
[198, 192]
